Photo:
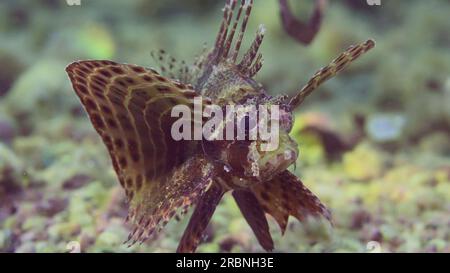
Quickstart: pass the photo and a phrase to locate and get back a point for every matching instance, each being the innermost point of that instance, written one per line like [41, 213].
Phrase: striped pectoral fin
[203, 212]
[255, 217]
[286, 195]
[130, 108]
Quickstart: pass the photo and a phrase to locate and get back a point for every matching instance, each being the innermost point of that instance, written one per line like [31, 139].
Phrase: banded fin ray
[255, 217]
[337, 65]
[286, 195]
[200, 218]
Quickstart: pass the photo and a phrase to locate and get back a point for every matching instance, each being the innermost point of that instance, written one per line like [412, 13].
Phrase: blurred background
[374, 142]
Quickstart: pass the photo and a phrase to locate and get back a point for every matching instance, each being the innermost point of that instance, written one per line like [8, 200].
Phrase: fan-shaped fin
[130, 107]
[254, 214]
[200, 218]
[286, 195]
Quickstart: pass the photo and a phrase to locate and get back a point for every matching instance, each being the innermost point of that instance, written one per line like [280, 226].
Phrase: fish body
[130, 108]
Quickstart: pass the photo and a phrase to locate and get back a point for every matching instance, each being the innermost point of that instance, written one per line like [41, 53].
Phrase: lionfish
[129, 107]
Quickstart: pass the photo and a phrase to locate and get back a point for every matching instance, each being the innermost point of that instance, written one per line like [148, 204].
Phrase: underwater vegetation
[373, 143]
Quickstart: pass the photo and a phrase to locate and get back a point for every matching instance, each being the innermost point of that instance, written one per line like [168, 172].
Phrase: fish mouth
[287, 159]
[278, 164]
